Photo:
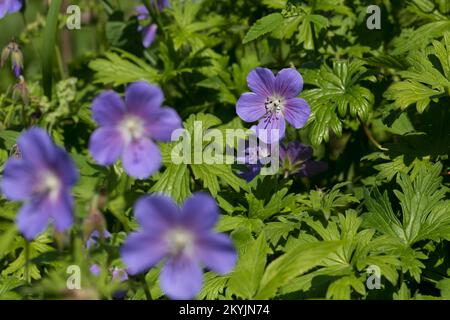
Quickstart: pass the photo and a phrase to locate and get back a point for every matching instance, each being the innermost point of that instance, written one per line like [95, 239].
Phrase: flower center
[132, 128]
[274, 109]
[49, 184]
[274, 104]
[180, 241]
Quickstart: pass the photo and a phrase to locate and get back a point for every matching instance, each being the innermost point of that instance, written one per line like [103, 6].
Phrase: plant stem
[147, 292]
[27, 262]
[59, 62]
[370, 136]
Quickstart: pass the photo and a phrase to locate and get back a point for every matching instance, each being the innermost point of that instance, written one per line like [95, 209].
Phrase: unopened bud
[95, 221]
[20, 91]
[13, 50]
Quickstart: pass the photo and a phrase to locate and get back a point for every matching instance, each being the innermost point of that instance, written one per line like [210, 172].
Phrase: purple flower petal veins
[183, 238]
[42, 177]
[273, 101]
[129, 128]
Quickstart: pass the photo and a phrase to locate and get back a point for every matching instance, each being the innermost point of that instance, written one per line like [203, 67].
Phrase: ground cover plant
[118, 180]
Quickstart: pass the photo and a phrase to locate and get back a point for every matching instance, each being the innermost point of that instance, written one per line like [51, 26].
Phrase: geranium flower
[296, 160]
[129, 127]
[184, 239]
[42, 177]
[9, 6]
[273, 102]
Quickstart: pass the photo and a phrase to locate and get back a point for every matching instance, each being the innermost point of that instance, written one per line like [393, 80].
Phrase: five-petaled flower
[273, 101]
[296, 160]
[9, 6]
[128, 127]
[42, 177]
[183, 237]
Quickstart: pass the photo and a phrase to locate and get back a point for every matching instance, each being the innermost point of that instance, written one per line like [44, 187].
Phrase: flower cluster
[43, 174]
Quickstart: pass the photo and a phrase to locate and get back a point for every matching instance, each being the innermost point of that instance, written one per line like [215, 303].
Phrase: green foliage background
[381, 108]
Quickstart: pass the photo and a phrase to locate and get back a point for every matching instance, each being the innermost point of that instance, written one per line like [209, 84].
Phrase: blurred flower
[9, 6]
[296, 160]
[184, 237]
[13, 50]
[20, 90]
[149, 32]
[273, 101]
[95, 236]
[117, 274]
[255, 153]
[42, 177]
[128, 128]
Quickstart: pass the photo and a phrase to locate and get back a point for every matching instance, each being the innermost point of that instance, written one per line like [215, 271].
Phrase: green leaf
[49, 46]
[423, 81]
[263, 26]
[293, 263]
[245, 279]
[213, 287]
[121, 69]
[338, 96]
[174, 182]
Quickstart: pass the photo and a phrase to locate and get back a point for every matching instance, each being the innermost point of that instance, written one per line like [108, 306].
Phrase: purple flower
[17, 69]
[273, 101]
[296, 160]
[118, 274]
[250, 172]
[148, 34]
[9, 6]
[95, 236]
[255, 154]
[128, 128]
[183, 237]
[42, 177]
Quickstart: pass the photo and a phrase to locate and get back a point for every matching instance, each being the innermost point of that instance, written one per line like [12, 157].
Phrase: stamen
[132, 128]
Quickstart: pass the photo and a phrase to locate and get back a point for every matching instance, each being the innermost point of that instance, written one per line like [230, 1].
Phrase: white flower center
[132, 128]
[49, 184]
[274, 105]
[180, 241]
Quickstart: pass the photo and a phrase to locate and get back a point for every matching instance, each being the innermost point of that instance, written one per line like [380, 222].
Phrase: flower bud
[13, 50]
[5, 55]
[17, 62]
[95, 221]
[20, 90]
